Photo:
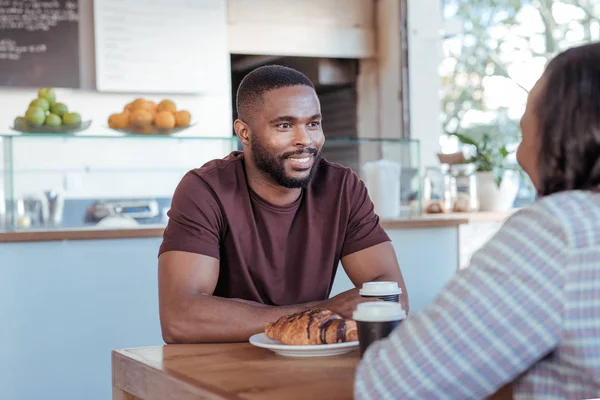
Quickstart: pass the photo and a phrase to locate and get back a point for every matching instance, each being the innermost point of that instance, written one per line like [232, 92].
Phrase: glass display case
[50, 181]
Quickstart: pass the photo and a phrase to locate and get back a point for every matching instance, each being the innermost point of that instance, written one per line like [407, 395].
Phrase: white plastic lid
[380, 289]
[378, 312]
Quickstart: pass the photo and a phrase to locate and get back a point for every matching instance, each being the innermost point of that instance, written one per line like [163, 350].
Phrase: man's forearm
[216, 319]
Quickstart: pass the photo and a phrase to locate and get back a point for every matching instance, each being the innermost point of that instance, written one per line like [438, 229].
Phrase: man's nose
[302, 136]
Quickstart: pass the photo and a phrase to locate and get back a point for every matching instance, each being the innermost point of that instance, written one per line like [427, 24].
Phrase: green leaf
[499, 180]
[504, 152]
[466, 140]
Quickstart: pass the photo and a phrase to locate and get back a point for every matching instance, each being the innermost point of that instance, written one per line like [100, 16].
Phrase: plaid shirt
[526, 310]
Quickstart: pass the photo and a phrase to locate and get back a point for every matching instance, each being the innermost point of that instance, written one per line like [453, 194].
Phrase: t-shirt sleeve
[364, 229]
[195, 219]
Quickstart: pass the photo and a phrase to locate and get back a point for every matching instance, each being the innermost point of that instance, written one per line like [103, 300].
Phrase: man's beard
[275, 166]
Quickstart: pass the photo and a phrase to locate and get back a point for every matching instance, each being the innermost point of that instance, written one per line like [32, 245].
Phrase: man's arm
[190, 314]
[491, 323]
[188, 311]
[376, 263]
[367, 253]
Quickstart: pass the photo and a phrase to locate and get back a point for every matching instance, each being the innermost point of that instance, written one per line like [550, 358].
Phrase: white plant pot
[494, 198]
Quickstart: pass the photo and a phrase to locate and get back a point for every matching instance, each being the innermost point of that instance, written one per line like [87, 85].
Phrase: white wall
[335, 28]
[424, 48]
[89, 168]
[312, 28]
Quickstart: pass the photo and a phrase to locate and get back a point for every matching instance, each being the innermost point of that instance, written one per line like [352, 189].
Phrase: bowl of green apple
[46, 115]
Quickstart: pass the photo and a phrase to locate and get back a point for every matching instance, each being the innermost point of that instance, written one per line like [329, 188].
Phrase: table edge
[180, 387]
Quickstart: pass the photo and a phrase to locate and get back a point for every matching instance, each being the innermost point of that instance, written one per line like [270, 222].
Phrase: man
[258, 235]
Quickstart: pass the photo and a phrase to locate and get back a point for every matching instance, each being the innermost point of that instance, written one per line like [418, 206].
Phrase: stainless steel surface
[55, 205]
[3, 214]
[135, 209]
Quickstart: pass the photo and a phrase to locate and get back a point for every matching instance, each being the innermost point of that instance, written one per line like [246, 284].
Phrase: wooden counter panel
[151, 232]
[79, 234]
[423, 222]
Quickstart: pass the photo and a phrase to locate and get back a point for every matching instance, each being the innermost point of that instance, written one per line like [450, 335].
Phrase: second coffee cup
[375, 321]
[386, 291]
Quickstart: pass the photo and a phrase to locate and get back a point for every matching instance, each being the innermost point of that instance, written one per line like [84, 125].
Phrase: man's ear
[242, 130]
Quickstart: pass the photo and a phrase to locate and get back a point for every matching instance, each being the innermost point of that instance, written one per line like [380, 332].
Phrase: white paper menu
[159, 46]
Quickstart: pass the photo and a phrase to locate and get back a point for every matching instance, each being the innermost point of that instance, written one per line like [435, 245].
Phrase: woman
[527, 309]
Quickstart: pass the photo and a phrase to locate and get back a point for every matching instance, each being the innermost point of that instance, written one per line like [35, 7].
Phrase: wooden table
[228, 371]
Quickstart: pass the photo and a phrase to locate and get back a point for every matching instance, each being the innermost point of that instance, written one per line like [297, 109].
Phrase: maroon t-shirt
[271, 254]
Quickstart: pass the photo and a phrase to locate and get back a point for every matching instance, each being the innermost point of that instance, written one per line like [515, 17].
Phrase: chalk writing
[32, 15]
[9, 50]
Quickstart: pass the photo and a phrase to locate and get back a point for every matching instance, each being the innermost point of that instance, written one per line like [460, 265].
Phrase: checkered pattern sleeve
[490, 324]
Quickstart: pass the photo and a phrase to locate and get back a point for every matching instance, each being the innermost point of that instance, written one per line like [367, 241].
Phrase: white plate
[318, 350]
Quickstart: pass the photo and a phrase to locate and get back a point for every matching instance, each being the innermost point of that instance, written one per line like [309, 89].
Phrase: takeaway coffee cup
[375, 321]
[386, 291]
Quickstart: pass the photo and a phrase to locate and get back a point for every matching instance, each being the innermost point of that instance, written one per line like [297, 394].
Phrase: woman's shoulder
[574, 213]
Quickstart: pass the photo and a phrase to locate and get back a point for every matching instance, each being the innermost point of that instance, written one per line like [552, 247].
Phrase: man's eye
[315, 124]
[285, 125]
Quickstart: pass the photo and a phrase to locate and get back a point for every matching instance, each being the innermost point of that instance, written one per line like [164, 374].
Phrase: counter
[147, 231]
[486, 216]
[74, 295]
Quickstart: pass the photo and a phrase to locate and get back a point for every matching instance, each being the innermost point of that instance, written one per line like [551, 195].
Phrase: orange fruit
[141, 117]
[153, 105]
[118, 121]
[164, 119]
[166, 105]
[182, 118]
[147, 130]
[140, 104]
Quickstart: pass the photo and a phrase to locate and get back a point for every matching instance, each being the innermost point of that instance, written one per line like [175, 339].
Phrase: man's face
[286, 136]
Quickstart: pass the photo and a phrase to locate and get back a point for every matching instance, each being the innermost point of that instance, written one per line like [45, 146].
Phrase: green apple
[53, 120]
[59, 109]
[71, 118]
[35, 116]
[48, 94]
[20, 123]
[41, 103]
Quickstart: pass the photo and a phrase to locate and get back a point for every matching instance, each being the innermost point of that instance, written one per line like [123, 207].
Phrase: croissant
[312, 327]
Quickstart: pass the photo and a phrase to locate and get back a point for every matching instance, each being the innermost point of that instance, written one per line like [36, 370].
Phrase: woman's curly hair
[569, 115]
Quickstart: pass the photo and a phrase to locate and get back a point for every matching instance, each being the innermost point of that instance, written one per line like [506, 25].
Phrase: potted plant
[497, 178]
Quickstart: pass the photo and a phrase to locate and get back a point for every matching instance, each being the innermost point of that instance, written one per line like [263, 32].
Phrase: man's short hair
[262, 80]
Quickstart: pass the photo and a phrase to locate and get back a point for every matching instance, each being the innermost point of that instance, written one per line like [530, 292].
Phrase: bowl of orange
[145, 117]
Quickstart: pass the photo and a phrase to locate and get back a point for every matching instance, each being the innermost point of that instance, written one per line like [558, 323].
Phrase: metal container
[464, 179]
[438, 189]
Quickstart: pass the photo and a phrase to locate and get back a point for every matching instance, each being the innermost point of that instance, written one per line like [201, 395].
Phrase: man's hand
[376, 263]
[345, 303]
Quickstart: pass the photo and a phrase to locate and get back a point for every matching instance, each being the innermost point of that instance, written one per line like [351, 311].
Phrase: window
[494, 52]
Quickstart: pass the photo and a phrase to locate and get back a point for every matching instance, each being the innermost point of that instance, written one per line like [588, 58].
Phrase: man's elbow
[172, 335]
[174, 331]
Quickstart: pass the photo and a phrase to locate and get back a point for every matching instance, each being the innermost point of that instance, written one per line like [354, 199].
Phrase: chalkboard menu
[39, 43]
